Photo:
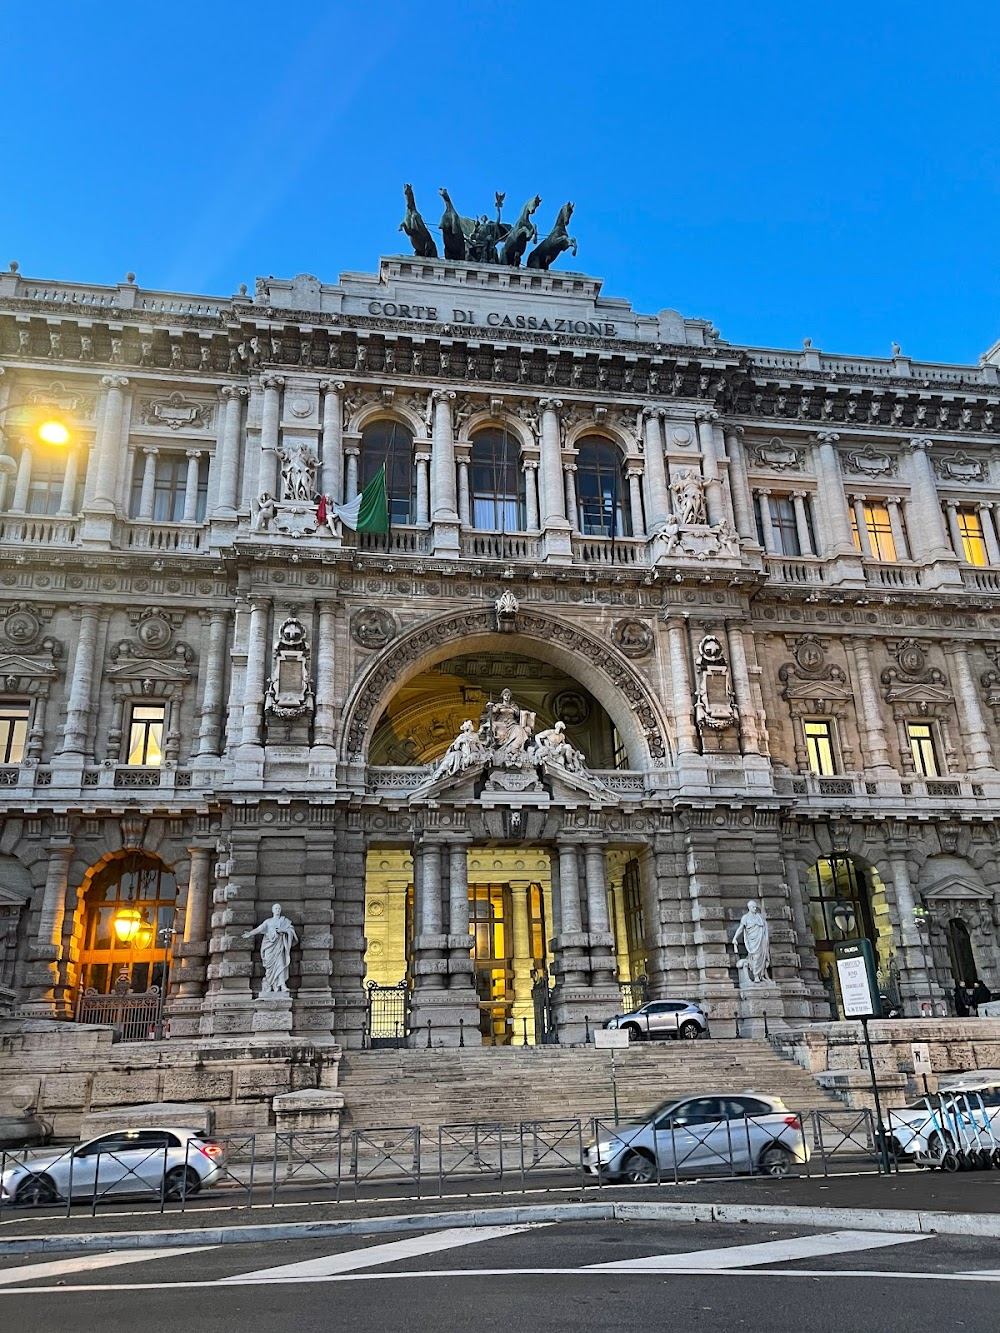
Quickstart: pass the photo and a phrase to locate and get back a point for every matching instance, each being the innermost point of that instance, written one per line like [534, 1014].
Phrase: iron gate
[635, 993]
[387, 1016]
[133, 1017]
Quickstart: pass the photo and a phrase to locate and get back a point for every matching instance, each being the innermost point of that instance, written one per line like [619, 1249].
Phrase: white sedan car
[173, 1162]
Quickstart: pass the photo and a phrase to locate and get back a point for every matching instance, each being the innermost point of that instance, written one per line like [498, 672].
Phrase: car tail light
[793, 1122]
[211, 1149]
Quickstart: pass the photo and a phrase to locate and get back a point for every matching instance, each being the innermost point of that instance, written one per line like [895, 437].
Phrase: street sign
[856, 974]
[921, 1053]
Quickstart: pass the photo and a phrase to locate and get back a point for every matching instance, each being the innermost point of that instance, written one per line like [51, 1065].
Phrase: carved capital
[827, 437]
[111, 382]
[708, 414]
[550, 404]
[443, 396]
[332, 386]
[736, 431]
[919, 442]
[272, 381]
[633, 470]
[192, 453]
[150, 450]
[229, 392]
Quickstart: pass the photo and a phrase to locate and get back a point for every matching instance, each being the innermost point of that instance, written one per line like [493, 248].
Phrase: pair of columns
[147, 494]
[752, 731]
[986, 522]
[893, 506]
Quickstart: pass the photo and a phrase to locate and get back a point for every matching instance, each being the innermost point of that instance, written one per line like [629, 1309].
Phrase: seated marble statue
[551, 746]
[464, 752]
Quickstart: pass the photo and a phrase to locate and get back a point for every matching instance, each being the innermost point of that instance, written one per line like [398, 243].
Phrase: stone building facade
[761, 588]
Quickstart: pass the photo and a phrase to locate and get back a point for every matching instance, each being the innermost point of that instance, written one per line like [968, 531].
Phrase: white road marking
[768, 1252]
[83, 1263]
[372, 1255]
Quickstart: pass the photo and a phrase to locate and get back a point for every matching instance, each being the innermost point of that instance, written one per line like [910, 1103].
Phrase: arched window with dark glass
[497, 482]
[600, 490]
[390, 443]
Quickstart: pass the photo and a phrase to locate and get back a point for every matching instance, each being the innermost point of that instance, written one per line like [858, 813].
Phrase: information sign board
[856, 974]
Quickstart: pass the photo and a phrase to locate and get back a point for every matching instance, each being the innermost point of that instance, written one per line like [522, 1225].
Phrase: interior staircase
[508, 1084]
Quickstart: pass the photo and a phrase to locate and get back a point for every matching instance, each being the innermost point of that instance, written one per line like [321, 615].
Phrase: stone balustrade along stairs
[508, 1084]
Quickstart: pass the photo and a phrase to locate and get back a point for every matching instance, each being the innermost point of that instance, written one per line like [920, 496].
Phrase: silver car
[173, 1162]
[663, 1018]
[716, 1134]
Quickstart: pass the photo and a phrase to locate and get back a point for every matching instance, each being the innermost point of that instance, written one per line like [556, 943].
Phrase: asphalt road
[575, 1276]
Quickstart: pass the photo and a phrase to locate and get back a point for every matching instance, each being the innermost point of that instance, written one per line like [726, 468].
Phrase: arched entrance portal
[506, 880]
[847, 901]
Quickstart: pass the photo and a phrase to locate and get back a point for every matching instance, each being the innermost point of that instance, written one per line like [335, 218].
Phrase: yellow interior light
[53, 432]
[128, 921]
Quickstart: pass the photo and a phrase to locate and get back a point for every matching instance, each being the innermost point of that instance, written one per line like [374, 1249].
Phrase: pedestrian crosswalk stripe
[372, 1255]
[767, 1252]
[85, 1263]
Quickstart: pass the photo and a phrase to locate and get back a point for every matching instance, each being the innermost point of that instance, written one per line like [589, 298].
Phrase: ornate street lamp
[844, 917]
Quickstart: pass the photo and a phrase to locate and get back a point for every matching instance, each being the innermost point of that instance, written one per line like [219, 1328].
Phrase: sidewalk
[965, 1203]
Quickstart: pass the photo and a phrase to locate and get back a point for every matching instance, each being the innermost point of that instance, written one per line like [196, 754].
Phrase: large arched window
[128, 916]
[600, 489]
[390, 442]
[497, 482]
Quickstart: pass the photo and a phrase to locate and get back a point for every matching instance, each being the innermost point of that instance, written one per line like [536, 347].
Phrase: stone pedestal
[444, 994]
[308, 1111]
[272, 1013]
[757, 999]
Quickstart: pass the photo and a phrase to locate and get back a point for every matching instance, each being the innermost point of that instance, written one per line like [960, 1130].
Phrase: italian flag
[368, 512]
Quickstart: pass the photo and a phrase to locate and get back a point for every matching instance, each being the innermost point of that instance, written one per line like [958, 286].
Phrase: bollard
[461, 1032]
[524, 1022]
[586, 1019]
[428, 1034]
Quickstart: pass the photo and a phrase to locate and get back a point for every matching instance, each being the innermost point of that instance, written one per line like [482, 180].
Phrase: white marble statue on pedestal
[278, 936]
[757, 941]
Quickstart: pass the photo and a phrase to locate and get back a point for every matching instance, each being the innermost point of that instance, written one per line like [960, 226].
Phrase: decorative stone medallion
[373, 628]
[632, 637]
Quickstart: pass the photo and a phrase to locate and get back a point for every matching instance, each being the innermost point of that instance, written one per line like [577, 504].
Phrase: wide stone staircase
[509, 1084]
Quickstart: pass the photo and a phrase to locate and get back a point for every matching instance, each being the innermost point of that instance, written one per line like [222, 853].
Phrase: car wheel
[181, 1183]
[35, 1191]
[634, 1031]
[776, 1161]
[638, 1168]
[689, 1031]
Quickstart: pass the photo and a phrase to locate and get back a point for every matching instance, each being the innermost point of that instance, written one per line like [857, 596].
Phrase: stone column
[603, 963]
[423, 515]
[714, 501]
[256, 673]
[572, 508]
[986, 512]
[228, 457]
[832, 496]
[954, 532]
[802, 522]
[739, 484]
[19, 504]
[67, 496]
[109, 445]
[970, 709]
[870, 712]
[686, 734]
[522, 963]
[657, 495]
[443, 490]
[270, 422]
[191, 486]
[192, 951]
[81, 684]
[569, 885]
[930, 540]
[553, 488]
[766, 526]
[210, 713]
[326, 684]
[896, 525]
[48, 994]
[464, 495]
[634, 475]
[147, 495]
[531, 493]
[864, 536]
[917, 980]
[741, 689]
[331, 467]
[352, 454]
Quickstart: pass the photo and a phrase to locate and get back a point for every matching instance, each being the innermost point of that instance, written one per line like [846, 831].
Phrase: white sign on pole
[921, 1053]
[854, 989]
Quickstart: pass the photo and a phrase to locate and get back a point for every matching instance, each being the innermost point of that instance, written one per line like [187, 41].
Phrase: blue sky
[786, 170]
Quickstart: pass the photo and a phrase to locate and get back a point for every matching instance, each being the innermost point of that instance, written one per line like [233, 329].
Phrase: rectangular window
[145, 738]
[922, 748]
[819, 747]
[783, 525]
[635, 922]
[970, 527]
[879, 530]
[13, 732]
[169, 487]
[45, 489]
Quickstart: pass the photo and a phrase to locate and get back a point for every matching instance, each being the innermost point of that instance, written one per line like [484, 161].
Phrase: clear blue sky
[784, 169]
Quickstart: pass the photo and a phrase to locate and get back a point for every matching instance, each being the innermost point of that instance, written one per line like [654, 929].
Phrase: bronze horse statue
[415, 227]
[523, 231]
[452, 232]
[556, 242]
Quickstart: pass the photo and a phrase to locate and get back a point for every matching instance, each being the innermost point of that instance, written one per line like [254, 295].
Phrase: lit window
[145, 741]
[922, 748]
[879, 530]
[970, 528]
[13, 732]
[819, 747]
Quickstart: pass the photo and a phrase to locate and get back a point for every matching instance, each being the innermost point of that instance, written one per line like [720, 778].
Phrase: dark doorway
[960, 955]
